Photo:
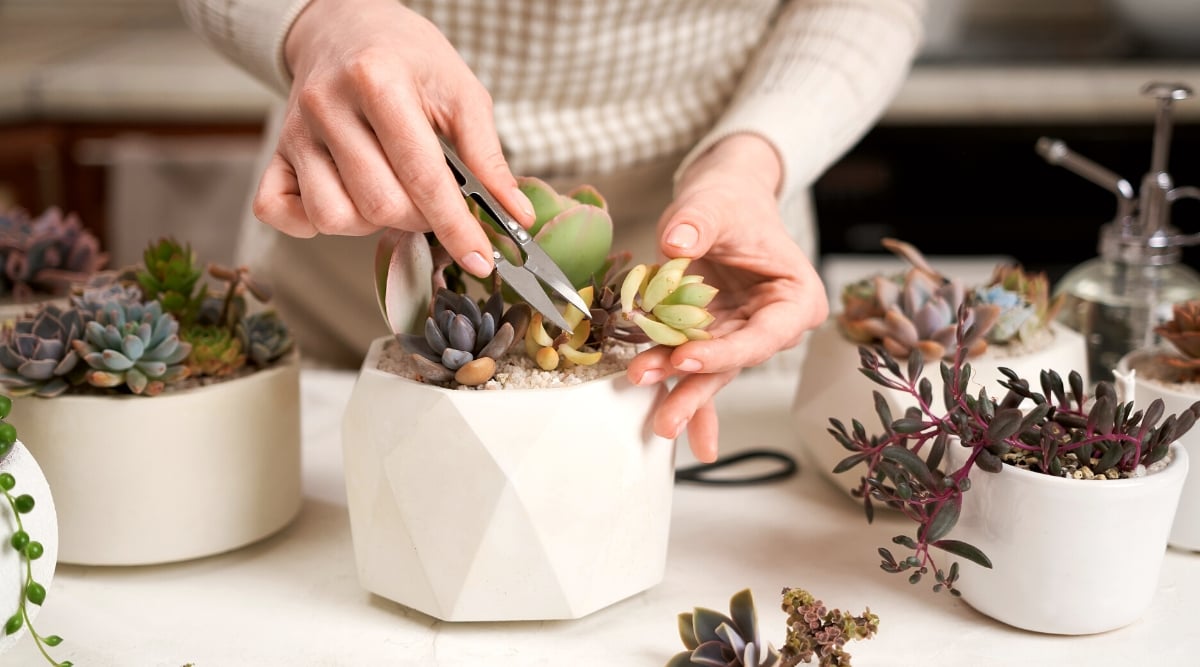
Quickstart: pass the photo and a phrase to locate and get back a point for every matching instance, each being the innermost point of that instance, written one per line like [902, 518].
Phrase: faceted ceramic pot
[514, 504]
[1141, 388]
[1054, 542]
[187, 473]
[831, 386]
[41, 524]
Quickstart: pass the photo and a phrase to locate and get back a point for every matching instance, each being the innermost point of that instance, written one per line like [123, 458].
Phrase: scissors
[537, 265]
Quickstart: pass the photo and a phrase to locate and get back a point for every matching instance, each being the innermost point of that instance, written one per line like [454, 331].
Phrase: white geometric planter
[42, 526]
[140, 480]
[831, 386]
[1068, 556]
[1185, 532]
[517, 504]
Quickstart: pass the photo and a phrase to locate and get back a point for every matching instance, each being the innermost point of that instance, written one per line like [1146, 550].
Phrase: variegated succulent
[916, 311]
[46, 254]
[551, 350]
[37, 352]
[1024, 302]
[133, 345]
[264, 337]
[667, 304]
[463, 339]
[1182, 331]
[712, 639]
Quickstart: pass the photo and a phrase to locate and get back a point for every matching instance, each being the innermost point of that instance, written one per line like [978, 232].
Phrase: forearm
[251, 33]
[823, 76]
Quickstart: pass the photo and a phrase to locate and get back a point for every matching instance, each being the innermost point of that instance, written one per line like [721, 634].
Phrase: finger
[772, 328]
[683, 403]
[325, 200]
[277, 200]
[416, 157]
[475, 138]
[703, 433]
[367, 176]
[689, 230]
[650, 366]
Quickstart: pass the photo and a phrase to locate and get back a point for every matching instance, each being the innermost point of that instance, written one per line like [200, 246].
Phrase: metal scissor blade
[527, 285]
[539, 264]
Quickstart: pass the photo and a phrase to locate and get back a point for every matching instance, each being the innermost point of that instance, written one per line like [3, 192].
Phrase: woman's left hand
[725, 215]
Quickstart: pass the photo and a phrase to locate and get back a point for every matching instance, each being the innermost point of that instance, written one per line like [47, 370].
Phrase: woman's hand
[725, 215]
[374, 83]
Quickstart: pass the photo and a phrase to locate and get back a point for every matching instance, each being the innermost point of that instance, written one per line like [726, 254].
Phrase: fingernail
[688, 365]
[650, 377]
[684, 235]
[524, 203]
[476, 264]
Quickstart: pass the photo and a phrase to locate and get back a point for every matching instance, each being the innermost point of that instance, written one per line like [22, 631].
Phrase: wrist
[744, 156]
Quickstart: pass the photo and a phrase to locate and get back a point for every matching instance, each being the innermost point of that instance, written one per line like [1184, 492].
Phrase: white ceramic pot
[155, 479]
[831, 385]
[1070, 557]
[42, 526]
[1185, 532]
[516, 504]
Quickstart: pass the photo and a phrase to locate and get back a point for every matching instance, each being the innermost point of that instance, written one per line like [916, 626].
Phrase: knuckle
[382, 209]
[333, 219]
[312, 101]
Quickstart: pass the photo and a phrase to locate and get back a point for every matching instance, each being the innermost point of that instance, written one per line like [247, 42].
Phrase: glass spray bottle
[1115, 300]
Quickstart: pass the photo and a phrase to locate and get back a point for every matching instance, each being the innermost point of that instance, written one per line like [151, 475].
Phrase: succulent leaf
[459, 333]
[37, 351]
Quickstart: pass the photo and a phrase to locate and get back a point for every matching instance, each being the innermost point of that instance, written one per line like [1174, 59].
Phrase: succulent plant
[171, 275]
[93, 297]
[574, 229]
[37, 352]
[1182, 331]
[917, 312]
[45, 255]
[814, 631]
[1063, 433]
[666, 304]
[570, 347]
[133, 345]
[462, 339]
[264, 337]
[1024, 302]
[713, 639]
[216, 351]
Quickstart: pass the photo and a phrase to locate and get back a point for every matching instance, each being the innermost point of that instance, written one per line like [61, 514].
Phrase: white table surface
[293, 599]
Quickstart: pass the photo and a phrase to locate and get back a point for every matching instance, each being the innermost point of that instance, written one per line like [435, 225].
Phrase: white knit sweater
[590, 86]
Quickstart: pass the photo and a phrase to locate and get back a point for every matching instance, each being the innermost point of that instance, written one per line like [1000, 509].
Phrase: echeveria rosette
[462, 341]
[37, 352]
[1016, 318]
[133, 345]
[1182, 331]
[265, 337]
[46, 254]
[666, 303]
[574, 229]
[712, 639]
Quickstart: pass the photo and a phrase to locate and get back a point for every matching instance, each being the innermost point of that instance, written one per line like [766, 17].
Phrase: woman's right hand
[374, 84]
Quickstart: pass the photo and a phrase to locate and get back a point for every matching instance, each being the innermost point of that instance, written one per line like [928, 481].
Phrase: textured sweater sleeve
[825, 73]
[248, 32]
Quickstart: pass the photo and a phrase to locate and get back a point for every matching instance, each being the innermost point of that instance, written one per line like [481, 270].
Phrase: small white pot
[1185, 533]
[1070, 557]
[155, 479]
[831, 386]
[42, 526]
[516, 504]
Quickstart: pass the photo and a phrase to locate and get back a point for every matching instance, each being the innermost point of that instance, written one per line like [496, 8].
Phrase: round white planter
[831, 386]
[1185, 532]
[1069, 556]
[518, 504]
[42, 526]
[140, 480]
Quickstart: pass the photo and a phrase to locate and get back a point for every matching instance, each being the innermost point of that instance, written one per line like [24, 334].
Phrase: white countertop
[165, 72]
[293, 599]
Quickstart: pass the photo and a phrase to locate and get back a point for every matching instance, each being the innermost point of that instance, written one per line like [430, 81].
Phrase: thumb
[690, 231]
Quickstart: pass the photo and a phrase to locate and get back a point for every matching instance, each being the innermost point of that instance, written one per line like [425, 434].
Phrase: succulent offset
[1024, 302]
[1182, 331]
[817, 632]
[37, 352]
[264, 337]
[216, 351]
[462, 340]
[133, 345]
[171, 275]
[570, 347]
[46, 254]
[713, 639]
[666, 304]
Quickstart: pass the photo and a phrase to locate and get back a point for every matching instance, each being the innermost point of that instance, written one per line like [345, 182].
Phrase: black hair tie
[700, 472]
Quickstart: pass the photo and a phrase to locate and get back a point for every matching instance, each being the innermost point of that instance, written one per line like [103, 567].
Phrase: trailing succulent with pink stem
[1058, 431]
